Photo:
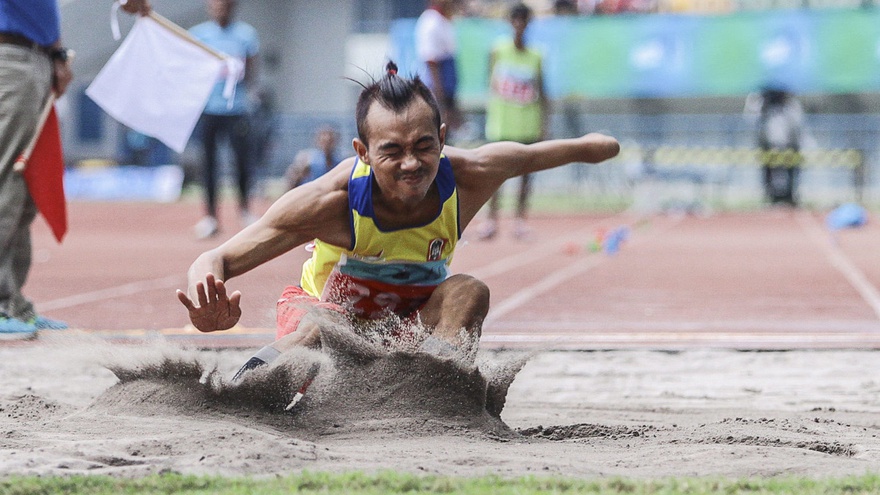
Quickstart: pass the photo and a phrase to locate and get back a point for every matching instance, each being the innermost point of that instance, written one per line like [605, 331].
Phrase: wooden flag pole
[21, 162]
[183, 33]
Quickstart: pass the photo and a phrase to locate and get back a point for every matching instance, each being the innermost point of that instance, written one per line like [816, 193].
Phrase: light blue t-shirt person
[236, 39]
[226, 114]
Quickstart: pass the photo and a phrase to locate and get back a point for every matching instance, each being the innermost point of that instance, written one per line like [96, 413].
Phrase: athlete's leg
[297, 326]
[307, 334]
[461, 302]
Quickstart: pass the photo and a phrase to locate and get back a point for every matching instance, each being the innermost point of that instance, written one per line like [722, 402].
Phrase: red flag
[44, 175]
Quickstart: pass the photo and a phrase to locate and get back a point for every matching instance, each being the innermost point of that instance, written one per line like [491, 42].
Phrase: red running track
[760, 280]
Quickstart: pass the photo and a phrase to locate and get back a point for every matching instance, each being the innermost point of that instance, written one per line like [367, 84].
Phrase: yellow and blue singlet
[385, 271]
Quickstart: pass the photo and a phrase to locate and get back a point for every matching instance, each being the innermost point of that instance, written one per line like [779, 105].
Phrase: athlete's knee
[472, 288]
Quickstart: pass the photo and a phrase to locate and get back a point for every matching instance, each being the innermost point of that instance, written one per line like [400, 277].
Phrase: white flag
[157, 83]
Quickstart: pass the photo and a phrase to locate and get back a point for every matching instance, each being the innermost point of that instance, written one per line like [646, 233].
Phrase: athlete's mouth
[411, 178]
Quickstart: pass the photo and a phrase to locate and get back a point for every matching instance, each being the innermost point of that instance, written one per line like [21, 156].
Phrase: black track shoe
[252, 363]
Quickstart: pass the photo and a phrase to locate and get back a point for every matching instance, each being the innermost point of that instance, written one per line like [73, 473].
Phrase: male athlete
[384, 225]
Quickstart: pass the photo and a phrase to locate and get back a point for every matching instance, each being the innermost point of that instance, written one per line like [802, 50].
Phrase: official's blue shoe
[14, 329]
[43, 323]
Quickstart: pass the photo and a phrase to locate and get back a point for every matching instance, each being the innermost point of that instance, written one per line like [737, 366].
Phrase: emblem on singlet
[435, 249]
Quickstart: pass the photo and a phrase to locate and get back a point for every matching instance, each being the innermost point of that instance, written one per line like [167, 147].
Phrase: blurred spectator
[565, 7]
[587, 7]
[570, 106]
[780, 135]
[625, 6]
[263, 132]
[33, 65]
[517, 108]
[140, 149]
[435, 47]
[314, 162]
[224, 116]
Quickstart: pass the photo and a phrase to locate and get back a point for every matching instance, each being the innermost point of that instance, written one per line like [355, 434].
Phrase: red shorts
[293, 305]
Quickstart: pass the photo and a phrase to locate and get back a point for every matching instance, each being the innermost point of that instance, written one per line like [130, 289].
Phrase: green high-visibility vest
[513, 112]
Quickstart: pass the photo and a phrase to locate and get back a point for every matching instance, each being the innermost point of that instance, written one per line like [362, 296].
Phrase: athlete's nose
[409, 162]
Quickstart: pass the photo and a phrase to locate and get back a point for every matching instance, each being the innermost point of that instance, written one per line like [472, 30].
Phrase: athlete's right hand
[216, 310]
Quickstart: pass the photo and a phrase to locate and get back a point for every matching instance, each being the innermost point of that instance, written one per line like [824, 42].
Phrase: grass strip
[398, 483]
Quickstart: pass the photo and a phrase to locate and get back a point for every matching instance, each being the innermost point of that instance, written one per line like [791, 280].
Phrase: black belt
[19, 40]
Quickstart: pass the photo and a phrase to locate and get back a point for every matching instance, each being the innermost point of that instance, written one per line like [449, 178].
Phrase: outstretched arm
[512, 159]
[315, 210]
[481, 171]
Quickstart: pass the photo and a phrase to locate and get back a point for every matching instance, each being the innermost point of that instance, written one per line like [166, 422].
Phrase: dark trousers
[781, 170]
[780, 184]
[236, 130]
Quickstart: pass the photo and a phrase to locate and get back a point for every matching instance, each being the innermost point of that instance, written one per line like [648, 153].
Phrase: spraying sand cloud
[359, 383]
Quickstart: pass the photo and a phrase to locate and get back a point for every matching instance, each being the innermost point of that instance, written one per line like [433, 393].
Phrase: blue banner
[836, 51]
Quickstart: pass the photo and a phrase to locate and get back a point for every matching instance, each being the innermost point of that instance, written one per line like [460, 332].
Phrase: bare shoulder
[317, 209]
[468, 165]
[475, 179]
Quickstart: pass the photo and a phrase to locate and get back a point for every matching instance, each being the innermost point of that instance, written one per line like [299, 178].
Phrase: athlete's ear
[442, 136]
[361, 149]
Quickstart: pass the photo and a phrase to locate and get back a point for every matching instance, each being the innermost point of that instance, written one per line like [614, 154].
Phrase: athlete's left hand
[216, 311]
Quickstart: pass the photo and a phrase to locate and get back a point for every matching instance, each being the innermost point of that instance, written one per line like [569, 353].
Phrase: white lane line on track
[549, 282]
[110, 293]
[522, 258]
[685, 327]
[553, 280]
[856, 339]
[839, 260]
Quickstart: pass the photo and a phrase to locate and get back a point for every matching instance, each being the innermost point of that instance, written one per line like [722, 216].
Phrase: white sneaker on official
[207, 227]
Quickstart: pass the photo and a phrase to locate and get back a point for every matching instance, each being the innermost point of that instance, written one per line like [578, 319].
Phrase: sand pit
[357, 386]
[582, 414]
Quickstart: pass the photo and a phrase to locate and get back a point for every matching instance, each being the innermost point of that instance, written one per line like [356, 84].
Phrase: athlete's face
[404, 150]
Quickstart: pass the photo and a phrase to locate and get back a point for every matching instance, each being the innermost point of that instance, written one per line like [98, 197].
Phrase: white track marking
[687, 327]
[551, 281]
[110, 293]
[838, 260]
[684, 339]
[547, 283]
[523, 258]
